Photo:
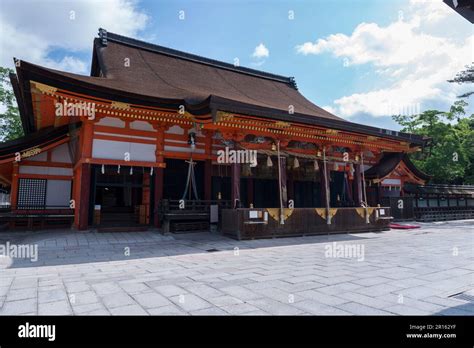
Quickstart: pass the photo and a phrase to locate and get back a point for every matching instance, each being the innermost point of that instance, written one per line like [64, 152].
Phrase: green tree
[451, 156]
[10, 123]
[465, 76]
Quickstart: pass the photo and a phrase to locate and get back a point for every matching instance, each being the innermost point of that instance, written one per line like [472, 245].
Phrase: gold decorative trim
[45, 89]
[361, 212]
[30, 152]
[370, 211]
[120, 105]
[332, 131]
[275, 213]
[322, 212]
[224, 116]
[282, 124]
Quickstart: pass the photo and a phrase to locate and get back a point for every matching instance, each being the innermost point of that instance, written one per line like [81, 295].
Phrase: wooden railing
[443, 213]
[37, 217]
[186, 215]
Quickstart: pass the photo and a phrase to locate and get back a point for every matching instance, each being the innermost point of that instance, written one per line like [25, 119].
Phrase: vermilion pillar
[14, 188]
[159, 172]
[85, 177]
[82, 177]
[208, 165]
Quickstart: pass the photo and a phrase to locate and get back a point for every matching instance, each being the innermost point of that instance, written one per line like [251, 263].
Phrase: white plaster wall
[43, 156]
[111, 122]
[175, 130]
[391, 182]
[109, 149]
[58, 192]
[61, 154]
[141, 125]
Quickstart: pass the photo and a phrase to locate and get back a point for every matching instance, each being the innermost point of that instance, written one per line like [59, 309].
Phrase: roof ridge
[108, 36]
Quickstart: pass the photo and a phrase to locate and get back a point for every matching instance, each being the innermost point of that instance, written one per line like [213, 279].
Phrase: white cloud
[33, 30]
[329, 108]
[261, 52]
[410, 56]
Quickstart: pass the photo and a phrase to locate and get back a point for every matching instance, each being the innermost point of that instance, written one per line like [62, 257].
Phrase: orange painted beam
[121, 162]
[45, 176]
[125, 131]
[117, 138]
[14, 188]
[46, 164]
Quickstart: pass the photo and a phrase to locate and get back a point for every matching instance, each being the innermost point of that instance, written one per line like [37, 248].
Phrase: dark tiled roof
[389, 162]
[42, 137]
[162, 77]
[440, 189]
[179, 77]
[385, 166]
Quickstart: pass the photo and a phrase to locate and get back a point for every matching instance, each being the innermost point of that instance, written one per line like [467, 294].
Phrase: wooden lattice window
[31, 193]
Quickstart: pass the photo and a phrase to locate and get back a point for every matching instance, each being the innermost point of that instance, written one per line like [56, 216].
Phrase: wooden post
[291, 189]
[146, 199]
[82, 177]
[322, 183]
[208, 165]
[358, 184]
[281, 187]
[208, 179]
[284, 191]
[14, 188]
[326, 187]
[250, 191]
[235, 182]
[159, 172]
[379, 193]
[158, 177]
[85, 175]
[76, 184]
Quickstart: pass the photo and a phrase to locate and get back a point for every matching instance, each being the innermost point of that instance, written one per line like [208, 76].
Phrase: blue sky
[360, 59]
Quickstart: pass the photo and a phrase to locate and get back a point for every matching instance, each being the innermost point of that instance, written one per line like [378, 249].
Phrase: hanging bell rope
[364, 188]
[282, 216]
[326, 186]
[190, 182]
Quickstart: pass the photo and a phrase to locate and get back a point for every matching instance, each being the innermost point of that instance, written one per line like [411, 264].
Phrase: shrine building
[156, 137]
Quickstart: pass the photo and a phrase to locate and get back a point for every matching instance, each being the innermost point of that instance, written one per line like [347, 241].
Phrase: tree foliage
[465, 76]
[451, 158]
[10, 123]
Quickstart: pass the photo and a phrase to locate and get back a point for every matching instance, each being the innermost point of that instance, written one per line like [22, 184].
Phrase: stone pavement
[425, 271]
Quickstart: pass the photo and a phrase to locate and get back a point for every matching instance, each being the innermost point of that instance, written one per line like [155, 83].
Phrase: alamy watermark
[75, 109]
[345, 251]
[19, 251]
[237, 156]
